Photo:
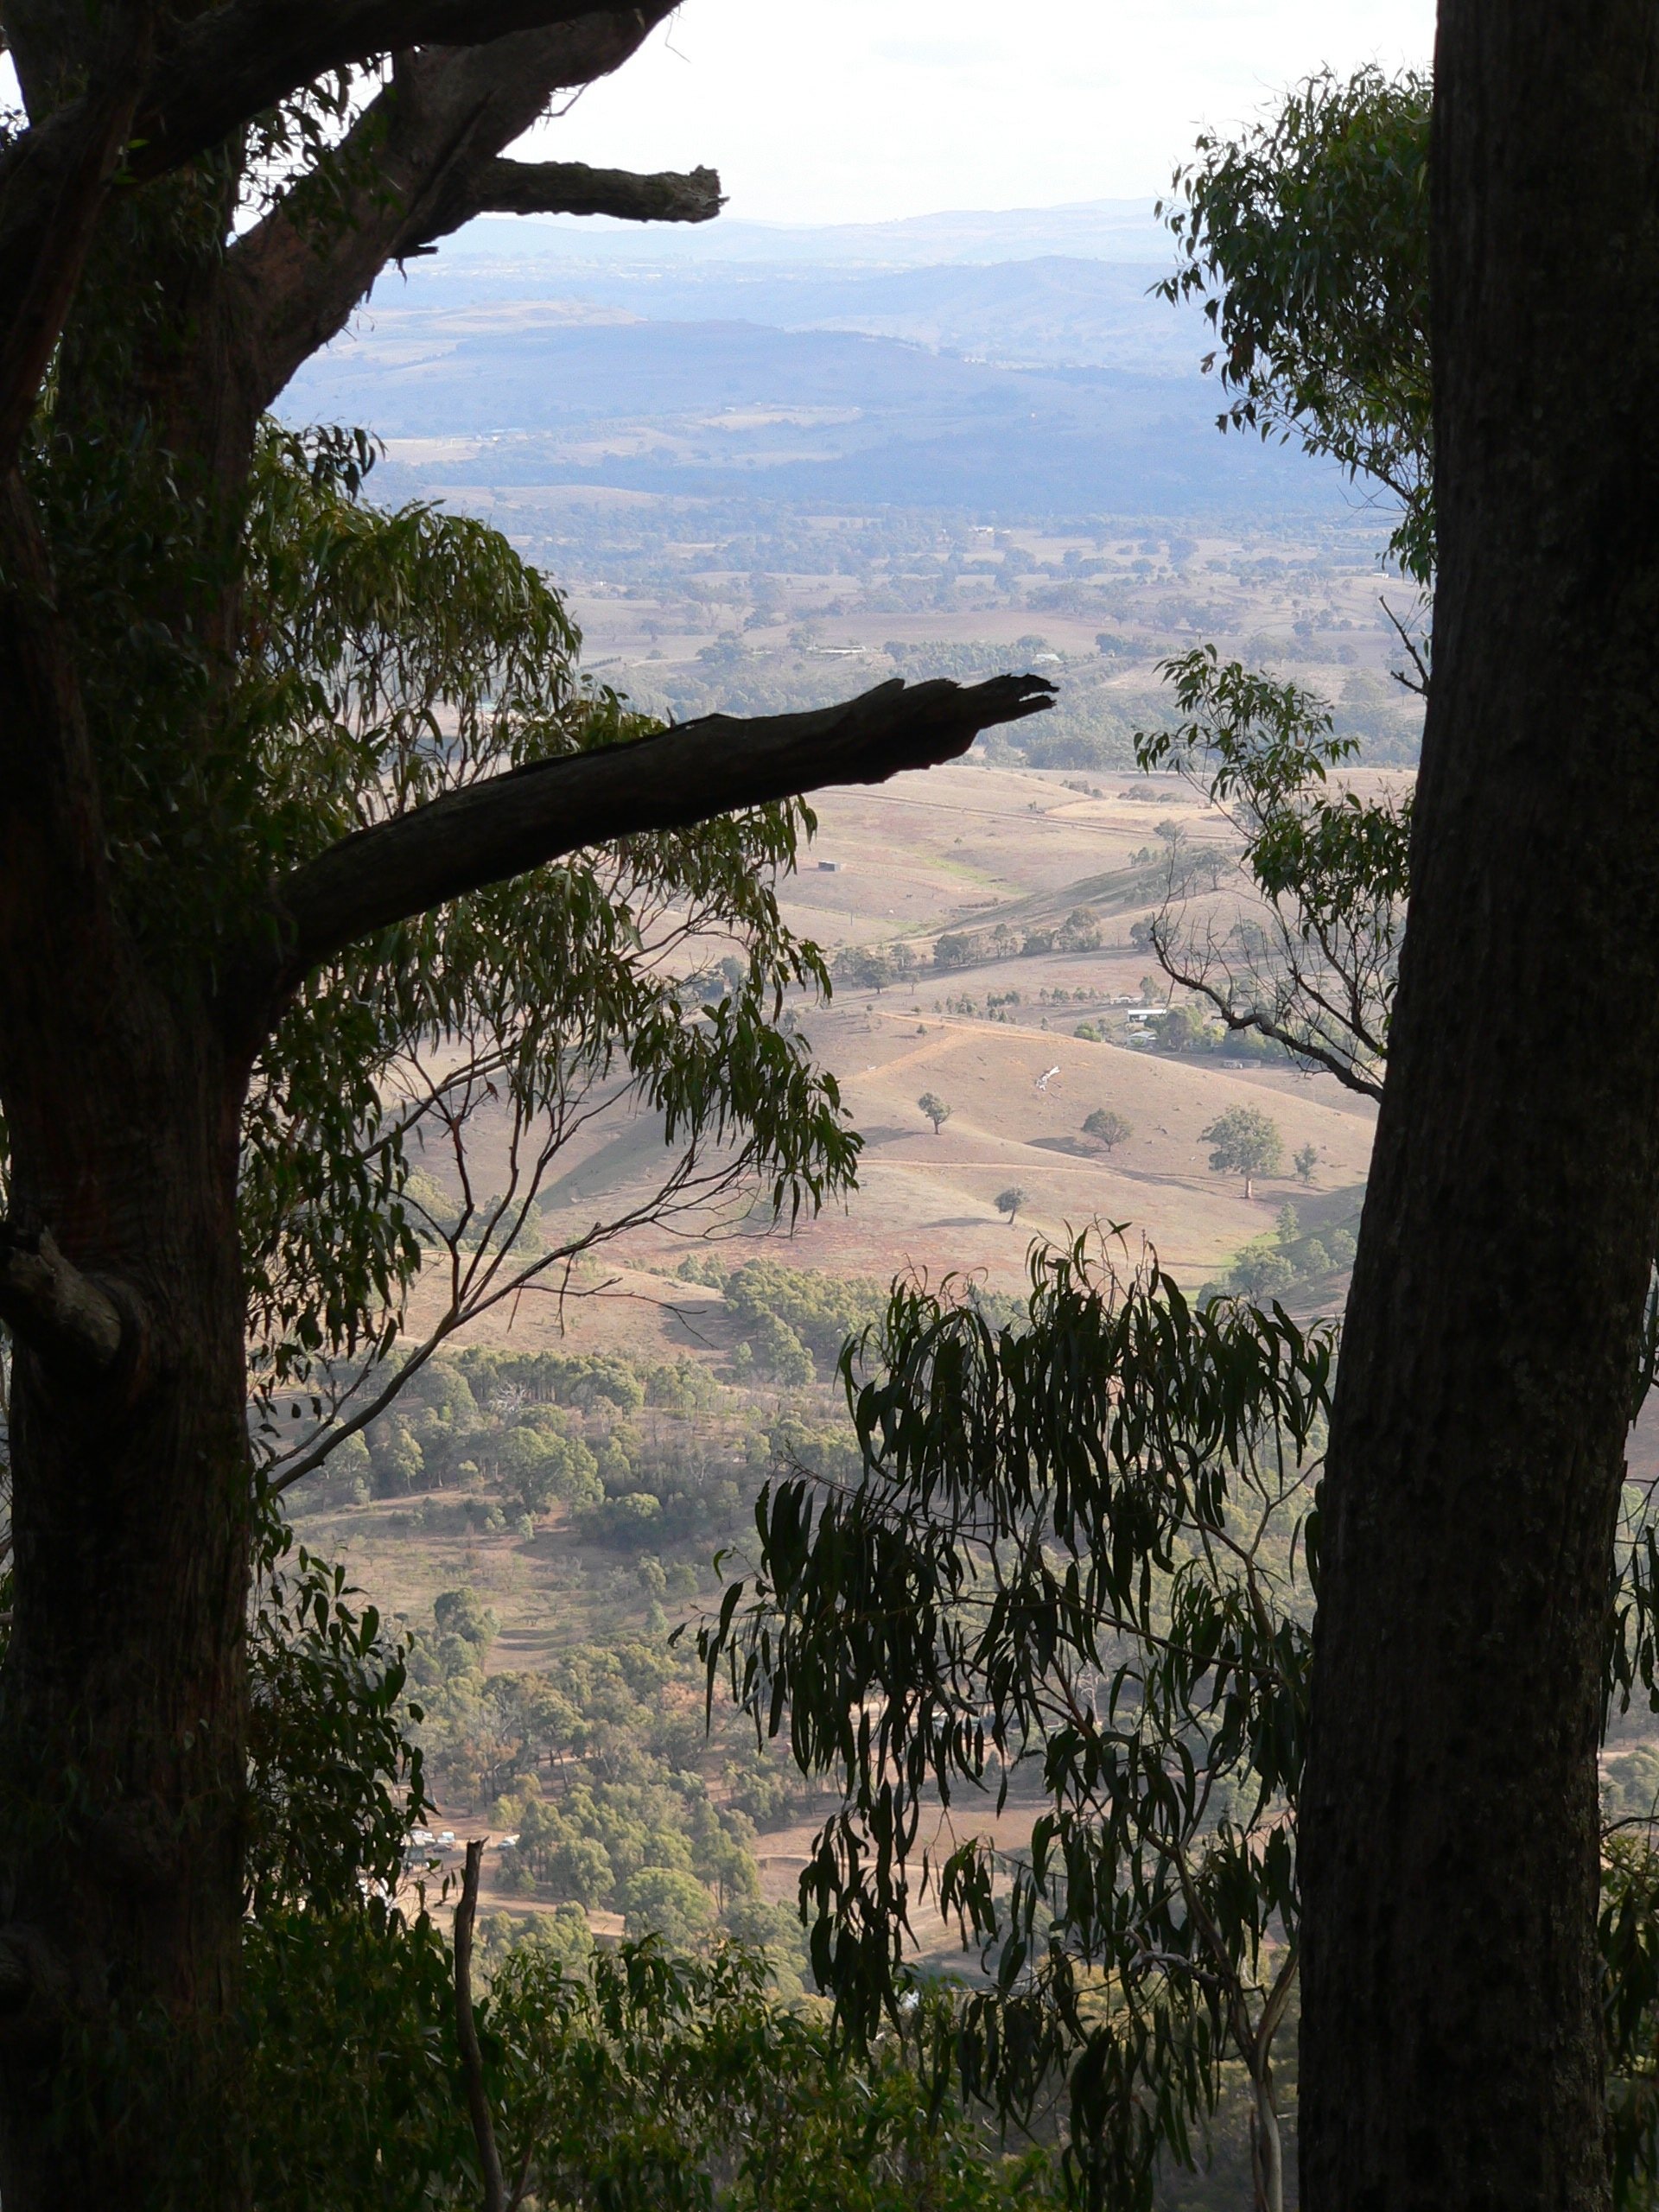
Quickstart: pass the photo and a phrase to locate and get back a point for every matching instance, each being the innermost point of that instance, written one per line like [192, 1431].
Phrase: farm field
[963, 848]
[973, 847]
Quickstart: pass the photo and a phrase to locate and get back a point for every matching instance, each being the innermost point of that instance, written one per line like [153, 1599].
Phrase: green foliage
[335, 1782]
[1184, 1029]
[669, 1902]
[1628, 1928]
[1261, 1271]
[462, 1613]
[537, 1466]
[1331, 868]
[934, 1107]
[1306, 238]
[353, 2096]
[582, 1380]
[684, 1388]
[649, 2084]
[629, 2081]
[864, 967]
[821, 1310]
[1268, 748]
[388, 656]
[546, 1430]
[1289, 1260]
[1068, 1568]
[779, 1353]
[625, 2082]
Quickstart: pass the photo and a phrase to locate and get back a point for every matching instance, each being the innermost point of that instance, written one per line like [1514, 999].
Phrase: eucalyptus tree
[1309, 955]
[934, 1107]
[1396, 286]
[1243, 1141]
[1306, 239]
[232, 857]
[1108, 1127]
[1071, 1579]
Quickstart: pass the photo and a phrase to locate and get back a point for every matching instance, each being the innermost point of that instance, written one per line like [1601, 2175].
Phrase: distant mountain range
[1093, 230]
[1005, 364]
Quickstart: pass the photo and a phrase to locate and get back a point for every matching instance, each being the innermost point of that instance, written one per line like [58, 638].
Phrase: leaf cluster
[389, 657]
[335, 1780]
[634, 2083]
[1068, 1566]
[1306, 240]
[1317, 968]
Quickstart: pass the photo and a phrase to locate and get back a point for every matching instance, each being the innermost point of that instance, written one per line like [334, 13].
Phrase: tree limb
[239, 58]
[472, 2059]
[222, 68]
[59, 1313]
[572, 188]
[684, 775]
[408, 171]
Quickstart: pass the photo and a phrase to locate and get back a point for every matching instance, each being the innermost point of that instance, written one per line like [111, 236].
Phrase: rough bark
[1451, 2056]
[230, 62]
[124, 1058]
[220, 68]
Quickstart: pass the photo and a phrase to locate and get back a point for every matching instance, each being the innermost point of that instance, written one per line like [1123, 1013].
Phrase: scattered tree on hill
[1010, 1201]
[864, 968]
[1108, 1127]
[934, 1107]
[1304, 1162]
[291, 802]
[1243, 1141]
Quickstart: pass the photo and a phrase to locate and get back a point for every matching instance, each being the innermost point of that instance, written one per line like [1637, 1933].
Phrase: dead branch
[572, 188]
[685, 775]
[416, 165]
[472, 2059]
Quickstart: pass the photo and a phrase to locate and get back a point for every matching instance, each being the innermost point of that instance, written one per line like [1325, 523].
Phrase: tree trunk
[1452, 2053]
[122, 1723]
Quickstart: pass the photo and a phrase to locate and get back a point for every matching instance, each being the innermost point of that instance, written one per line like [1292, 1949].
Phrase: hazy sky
[825, 111]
